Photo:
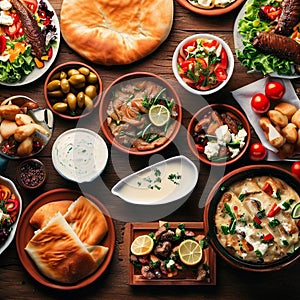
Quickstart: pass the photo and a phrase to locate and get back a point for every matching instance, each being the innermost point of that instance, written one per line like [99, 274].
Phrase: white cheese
[239, 137]
[4, 58]
[5, 5]
[169, 265]
[202, 3]
[223, 2]
[5, 19]
[211, 149]
[223, 135]
[234, 151]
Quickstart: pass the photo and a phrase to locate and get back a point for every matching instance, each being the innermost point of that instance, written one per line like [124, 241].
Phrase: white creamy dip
[79, 155]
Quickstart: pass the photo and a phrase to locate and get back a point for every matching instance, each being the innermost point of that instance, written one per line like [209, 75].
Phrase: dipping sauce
[254, 219]
[79, 155]
[163, 182]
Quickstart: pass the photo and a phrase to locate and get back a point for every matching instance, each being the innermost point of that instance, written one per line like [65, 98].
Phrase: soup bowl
[257, 223]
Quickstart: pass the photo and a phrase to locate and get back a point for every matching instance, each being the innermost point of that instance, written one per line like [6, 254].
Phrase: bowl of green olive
[72, 90]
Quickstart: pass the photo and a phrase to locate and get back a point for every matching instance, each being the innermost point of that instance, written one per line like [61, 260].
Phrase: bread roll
[9, 111]
[7, 128]
[286, 151]
[44, 213]
[278, 118]
[26, 147]
[60, 255]
[286, 109]
[290, 133]
[23, 119]
[296, 118]
[87, 221]
[114, 32]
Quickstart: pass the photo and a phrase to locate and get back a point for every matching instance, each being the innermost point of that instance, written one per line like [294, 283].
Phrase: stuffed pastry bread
[60, 255]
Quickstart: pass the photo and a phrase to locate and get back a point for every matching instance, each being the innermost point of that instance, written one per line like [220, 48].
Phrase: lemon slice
[296, 211]
[159, 115]
[142, 245]
[190, 252]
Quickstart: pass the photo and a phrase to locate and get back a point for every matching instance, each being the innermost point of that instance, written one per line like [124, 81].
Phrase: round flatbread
[114, 32]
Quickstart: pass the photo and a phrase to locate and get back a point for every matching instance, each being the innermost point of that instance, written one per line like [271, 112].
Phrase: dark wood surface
[16, 283]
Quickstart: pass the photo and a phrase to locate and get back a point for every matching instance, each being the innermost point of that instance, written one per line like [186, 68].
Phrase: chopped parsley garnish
[174, 178]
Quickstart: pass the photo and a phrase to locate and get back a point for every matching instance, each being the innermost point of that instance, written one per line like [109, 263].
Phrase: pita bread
[60, 255]
[87, 221]
[114, 32]
[43, 214]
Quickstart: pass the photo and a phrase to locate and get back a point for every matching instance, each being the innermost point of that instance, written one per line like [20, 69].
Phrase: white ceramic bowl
[163, 182]
[79, 155]
[14, 190]
[229, 68]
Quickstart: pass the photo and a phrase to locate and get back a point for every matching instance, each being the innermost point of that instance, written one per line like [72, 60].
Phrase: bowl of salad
[10, 211]
[203, 64]
[140, 113]
[218, 134]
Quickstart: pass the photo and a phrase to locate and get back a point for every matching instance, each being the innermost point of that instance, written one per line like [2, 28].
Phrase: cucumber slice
[296, 211]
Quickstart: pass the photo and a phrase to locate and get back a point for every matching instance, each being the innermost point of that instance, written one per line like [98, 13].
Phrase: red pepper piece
[267, 188]
[2, 43]
[269, 237]
[298, 223]
[189, 47]
[200, 148]
[257, 220]
[12, 205]
[275, 209]
[270, 12]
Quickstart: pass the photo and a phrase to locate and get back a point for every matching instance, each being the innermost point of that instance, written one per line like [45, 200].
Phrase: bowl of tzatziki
[79, 155]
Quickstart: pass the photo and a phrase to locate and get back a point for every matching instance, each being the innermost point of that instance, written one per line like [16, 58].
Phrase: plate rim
[42, 71]
[24, 258]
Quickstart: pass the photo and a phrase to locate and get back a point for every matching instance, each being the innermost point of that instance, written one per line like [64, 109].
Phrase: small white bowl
[14, 190]
[229, 68]
[79, 155]
[152, 185]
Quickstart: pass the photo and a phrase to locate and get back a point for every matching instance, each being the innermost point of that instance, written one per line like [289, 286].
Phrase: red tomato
[15, 17]
[274, 90]
[260, 103]
[32, 4]
[295, 168]
[2, 43]
[209, 44]
[257, 151]
[220, 74]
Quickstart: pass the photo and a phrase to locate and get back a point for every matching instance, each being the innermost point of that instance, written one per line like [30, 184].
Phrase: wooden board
[132, 230]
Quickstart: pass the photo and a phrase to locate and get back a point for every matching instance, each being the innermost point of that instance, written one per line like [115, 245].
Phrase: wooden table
[16, 283]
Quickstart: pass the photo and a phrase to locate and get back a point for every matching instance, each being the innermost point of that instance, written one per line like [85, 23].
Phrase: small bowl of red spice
[31, 173]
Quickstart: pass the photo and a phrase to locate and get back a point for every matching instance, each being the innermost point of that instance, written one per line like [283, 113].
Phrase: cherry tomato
[274, 90]
[295, 168]
[220, 74]
[209, 44]
[257, 151]
[32, 4]
[2, 43]
[260, 103]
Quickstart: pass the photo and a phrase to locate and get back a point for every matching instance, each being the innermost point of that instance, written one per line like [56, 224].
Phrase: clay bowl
[55, 95]
[200, 115]
[132, 78]
[210, 12]
[213, 202]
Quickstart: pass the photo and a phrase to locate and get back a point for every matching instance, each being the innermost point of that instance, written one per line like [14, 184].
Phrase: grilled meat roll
[278, 45]
[289, 17]
[31, 28]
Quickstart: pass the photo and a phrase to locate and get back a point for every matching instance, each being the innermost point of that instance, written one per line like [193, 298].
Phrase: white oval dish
[153, 185]
[229, 68]
[14, 190]
[79, 155]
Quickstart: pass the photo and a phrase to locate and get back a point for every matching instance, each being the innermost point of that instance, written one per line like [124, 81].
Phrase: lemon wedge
[142, 245]
[296, 211]
[190, 252]
[159, 115]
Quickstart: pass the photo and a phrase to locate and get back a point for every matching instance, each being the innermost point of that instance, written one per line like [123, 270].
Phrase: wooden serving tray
[132, 230]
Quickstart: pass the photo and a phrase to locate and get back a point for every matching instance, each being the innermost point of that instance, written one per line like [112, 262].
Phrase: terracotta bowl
[229, 69]
[219, 108]
[55, 94]
[210, 12]
[31, 173]
[171, 93]
[213, 201]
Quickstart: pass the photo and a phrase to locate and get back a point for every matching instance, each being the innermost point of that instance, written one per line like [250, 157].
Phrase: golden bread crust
[113, 32]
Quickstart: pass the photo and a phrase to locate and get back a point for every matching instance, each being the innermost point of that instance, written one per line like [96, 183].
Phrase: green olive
[92, 78]
[56, 94]
[91, 91]
[72, 101]
[63, 75]
[60, 107]
[85, 71]
[53, 85]
[55, 76]
[65, 86]
[80, 99]
[72, 72]
[77, 80]
[88, 102]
